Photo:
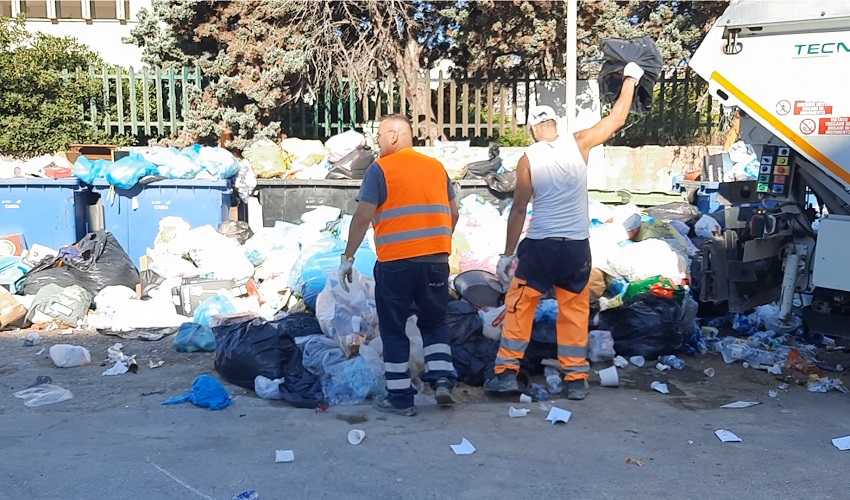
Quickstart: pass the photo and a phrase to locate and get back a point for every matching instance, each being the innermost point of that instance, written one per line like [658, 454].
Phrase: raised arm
[616, 119]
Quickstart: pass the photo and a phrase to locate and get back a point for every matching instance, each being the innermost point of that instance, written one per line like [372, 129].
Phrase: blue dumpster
[46, 211]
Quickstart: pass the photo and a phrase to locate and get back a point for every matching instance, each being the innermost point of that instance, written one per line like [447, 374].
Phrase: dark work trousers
[398, 286]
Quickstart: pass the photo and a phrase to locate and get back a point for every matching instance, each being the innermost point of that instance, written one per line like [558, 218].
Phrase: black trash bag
[251, 348]
[237, 230]
[484, 167]
[501, 183]
[301, 325]
[494, 150]
[102, 263]
[618, 53]
[463, 321]
[353, 165]
[475, 359]
[150, 281]
[647, 326]
[677, 210]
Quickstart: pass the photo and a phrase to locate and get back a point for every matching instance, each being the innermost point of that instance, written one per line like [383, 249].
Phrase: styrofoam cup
[609, 377]
[356, 436]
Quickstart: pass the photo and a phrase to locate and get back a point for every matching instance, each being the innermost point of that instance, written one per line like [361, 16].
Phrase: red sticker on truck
[803, 108]
[834, 126]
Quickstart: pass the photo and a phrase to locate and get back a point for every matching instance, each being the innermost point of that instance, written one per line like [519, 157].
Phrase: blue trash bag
[344, 381]
[207, 392]
[126, 172]
[88, 171]
[218, 304]
[192, 337]
[219, 162]
[547, 312]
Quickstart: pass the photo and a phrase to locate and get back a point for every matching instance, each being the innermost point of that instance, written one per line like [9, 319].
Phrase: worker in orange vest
[556, 249]
[410, 201]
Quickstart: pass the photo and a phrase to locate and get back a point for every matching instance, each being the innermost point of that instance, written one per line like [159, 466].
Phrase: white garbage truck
[786, 67]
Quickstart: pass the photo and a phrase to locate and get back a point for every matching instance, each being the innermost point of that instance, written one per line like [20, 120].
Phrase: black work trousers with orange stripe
[544, 264]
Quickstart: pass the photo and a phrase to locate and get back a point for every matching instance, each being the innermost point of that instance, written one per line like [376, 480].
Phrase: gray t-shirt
[374, 190]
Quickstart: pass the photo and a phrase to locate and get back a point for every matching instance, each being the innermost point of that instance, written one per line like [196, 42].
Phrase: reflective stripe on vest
[411, 210]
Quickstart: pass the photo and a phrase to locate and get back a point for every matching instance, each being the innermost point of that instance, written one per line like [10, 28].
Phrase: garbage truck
[785, 66]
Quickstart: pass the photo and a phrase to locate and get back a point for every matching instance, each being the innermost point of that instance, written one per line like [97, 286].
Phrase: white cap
[540, 114]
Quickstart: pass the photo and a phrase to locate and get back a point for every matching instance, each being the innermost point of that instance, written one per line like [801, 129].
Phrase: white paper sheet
[741, 404]
[842, 443]
[727, 436]
[464, 448]
[558, 415]
[284, 456]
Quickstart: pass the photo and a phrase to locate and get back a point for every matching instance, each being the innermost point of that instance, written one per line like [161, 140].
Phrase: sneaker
[502, 382]
[578, 389]
[443, 392]
[384, 405]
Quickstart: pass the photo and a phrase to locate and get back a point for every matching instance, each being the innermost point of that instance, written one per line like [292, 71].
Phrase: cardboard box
[11, 311]
[12, 245]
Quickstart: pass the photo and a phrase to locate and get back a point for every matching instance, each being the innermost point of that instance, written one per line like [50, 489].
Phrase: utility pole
[571, 58]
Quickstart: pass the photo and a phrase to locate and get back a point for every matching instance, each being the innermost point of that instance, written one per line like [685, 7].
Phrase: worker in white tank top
[555, 252]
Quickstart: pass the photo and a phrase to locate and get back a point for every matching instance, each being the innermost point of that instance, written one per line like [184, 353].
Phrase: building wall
[101, 35]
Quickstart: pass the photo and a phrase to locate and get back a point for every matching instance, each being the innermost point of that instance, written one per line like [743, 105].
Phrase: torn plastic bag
[484, 167]
[237, 230]
[344, 381]
[501, 183]
[647, 326]
[150, 281]
[247, 350]
[618, 53]
[206, 392]
[600, 346]
[344, 314]
[102, 263]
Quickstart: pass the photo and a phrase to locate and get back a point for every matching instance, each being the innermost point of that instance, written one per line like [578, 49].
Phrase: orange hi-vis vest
[415, 220]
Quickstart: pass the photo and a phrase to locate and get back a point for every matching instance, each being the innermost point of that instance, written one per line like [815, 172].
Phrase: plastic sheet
[43, 394]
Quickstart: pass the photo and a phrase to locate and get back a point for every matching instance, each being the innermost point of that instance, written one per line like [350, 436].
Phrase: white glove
[632, 70]
[503, 268]
[346, 269]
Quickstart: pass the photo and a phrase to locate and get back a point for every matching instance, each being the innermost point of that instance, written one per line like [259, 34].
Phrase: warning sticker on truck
[815, 108]
[834, 126]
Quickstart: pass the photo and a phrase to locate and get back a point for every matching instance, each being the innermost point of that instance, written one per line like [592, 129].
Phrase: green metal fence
[154, 102]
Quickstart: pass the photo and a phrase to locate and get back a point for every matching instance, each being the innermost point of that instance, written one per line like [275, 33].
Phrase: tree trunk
[417, 91]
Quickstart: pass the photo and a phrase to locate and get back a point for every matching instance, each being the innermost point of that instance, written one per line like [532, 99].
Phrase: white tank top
[559, 180]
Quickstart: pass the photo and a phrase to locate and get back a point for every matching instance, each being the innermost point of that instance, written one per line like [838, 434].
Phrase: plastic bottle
[758, 356]
[538, 392]
[554, 382]
[672, 361]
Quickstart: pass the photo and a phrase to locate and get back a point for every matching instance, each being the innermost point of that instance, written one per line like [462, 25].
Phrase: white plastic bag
[69, 356]
[340, 145]
[268, 389]
[303, 153]
[645, 259]
[707, 226]
[342, 313]
[488, 316]
[43, 394]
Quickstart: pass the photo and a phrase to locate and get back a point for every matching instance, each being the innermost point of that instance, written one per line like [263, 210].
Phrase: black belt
[560, 239]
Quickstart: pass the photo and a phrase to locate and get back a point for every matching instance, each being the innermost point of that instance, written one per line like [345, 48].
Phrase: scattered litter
[545, 405]
[161, 391]
[784, 387]
[621, 362]
[32, 339]
[662, 367]
[709, 372]
[638, 361]
[658, 386]
[247, 495]
[43, 394]
[775, 369]
[727, 436]
[558, 415]
[772, 393]
[785, 412]
[40, 352]
[741, 404]
[69, 356]
[609, 377]
[155, 363]
[690, 442]
[207, 392]
[639, 463]
[356, 436]
[284, 456]
[464, 448]
[517, 412]
[123, 363]
[842, 443]
[525, 399]
[817, 384]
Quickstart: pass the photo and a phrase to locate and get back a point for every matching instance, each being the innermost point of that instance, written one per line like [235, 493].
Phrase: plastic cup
[709, 372]
[637, 361]
[609, 377]
[356, 436]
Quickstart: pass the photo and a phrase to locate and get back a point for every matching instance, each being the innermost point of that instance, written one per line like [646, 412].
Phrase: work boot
[577, 389]
[502, 382]
[383, 404]
[443, 392]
